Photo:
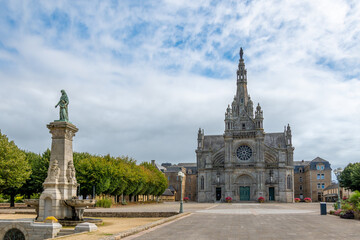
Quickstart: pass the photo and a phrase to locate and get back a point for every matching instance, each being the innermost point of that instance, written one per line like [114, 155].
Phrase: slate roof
[187, 164]
[215, 142]
[160, 168]
[168, 192]
[174, 168]
[172, 189]
[275, 140]
[301, 163]
[317, 160]
[332, 186]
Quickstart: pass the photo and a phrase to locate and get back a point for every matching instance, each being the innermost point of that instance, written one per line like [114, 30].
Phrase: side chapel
[245, 163]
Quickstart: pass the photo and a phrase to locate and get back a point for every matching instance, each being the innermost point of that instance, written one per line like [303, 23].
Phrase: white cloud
[142, 79]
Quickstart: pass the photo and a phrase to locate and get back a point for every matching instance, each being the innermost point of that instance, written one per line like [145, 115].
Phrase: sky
[143, 76]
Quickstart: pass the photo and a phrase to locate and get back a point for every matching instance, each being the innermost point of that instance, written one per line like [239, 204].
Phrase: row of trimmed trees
[24, 172]
[350, 177]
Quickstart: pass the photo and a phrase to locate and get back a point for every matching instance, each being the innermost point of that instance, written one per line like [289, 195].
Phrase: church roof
[275, 140]
[214, 142]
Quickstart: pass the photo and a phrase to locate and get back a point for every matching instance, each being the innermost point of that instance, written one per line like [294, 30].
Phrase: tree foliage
[116, 176]
[350, 177]
[14, 168]
[39, 168]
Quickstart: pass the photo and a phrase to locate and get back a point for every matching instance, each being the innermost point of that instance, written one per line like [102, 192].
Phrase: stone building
[311, 178]
[171, 173]
[191, 180]
[189, 183]
[330, 193]
[245, 162]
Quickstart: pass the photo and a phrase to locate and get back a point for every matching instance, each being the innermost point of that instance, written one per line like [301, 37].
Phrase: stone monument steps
[65, 232]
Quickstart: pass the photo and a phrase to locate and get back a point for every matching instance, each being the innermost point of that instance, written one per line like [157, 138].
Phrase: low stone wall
[130, 214]
[30, 229]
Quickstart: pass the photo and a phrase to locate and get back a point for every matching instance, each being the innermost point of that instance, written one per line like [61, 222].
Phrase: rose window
[244, 152]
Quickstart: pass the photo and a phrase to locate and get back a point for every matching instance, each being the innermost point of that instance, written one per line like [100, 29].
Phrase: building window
[243, 126]
[300, 170]
[300, 188]
[202, 183]
[300, 179]
[320, 167]
[289, 183]
[323, 185]
[322, 176]
[318, 186]
[318, 176]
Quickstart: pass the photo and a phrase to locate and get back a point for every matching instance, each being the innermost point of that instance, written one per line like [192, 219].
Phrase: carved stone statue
[241, 53]
[63, 103]
[70, 173]
[54, 171]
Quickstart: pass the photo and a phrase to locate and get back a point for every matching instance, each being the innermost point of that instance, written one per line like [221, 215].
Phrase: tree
[350, 177]
[14, 168]
[39, 168]
[355, 177]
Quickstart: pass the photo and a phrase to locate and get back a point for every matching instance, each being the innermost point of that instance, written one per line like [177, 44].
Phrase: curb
[135, 230]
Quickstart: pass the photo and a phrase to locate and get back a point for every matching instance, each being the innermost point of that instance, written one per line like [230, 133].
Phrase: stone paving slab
[262, 221]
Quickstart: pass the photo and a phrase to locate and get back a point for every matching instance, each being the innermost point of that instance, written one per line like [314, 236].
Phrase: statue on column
[63, 103]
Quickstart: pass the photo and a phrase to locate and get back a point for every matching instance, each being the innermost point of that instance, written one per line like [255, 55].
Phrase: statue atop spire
[241, 53]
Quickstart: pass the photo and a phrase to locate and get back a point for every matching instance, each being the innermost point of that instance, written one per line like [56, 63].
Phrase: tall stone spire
[241, 93]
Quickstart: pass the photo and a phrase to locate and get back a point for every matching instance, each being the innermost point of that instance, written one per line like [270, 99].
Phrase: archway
[245, 182]
[14, 234]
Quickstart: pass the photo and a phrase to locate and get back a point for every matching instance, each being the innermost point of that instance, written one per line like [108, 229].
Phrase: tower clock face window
[244, 152]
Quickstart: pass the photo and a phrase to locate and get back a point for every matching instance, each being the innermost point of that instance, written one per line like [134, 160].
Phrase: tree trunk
[12, 200]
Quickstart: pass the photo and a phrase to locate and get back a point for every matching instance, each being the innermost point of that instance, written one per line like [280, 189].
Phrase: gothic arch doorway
[245, 183]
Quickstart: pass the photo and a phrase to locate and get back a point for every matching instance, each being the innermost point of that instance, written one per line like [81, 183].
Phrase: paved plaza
[240, 221]
[255, 221]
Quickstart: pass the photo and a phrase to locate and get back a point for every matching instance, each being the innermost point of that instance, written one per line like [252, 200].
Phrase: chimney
[153, 162]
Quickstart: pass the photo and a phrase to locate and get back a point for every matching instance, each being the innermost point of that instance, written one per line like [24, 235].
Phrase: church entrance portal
[244, 193]
[271, 194]
[218, 194]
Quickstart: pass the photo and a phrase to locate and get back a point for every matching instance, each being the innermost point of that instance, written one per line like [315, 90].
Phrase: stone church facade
[245, 162]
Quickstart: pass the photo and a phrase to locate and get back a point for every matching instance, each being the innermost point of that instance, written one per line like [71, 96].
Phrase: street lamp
[337, 172]
[181, 175]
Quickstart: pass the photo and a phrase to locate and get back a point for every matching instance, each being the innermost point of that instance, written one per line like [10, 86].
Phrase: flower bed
[186, 199]
[261, 199]
[308, 200]
[228, 199]
[297, 199]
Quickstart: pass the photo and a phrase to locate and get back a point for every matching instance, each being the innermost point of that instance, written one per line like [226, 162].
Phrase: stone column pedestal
[60, 183]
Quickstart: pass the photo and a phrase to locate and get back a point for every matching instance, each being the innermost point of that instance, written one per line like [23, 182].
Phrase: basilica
[245, 162]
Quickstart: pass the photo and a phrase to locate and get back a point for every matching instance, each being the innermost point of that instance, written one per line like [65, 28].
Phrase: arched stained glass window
[289, 182]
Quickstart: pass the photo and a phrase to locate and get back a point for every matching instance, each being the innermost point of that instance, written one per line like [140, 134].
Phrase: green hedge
[105, 203]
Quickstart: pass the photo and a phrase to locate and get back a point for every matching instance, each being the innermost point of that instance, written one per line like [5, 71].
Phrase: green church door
[271, 194]
[244, 193]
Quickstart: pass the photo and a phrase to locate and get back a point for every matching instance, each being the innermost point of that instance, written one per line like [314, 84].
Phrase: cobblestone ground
[256, 221]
